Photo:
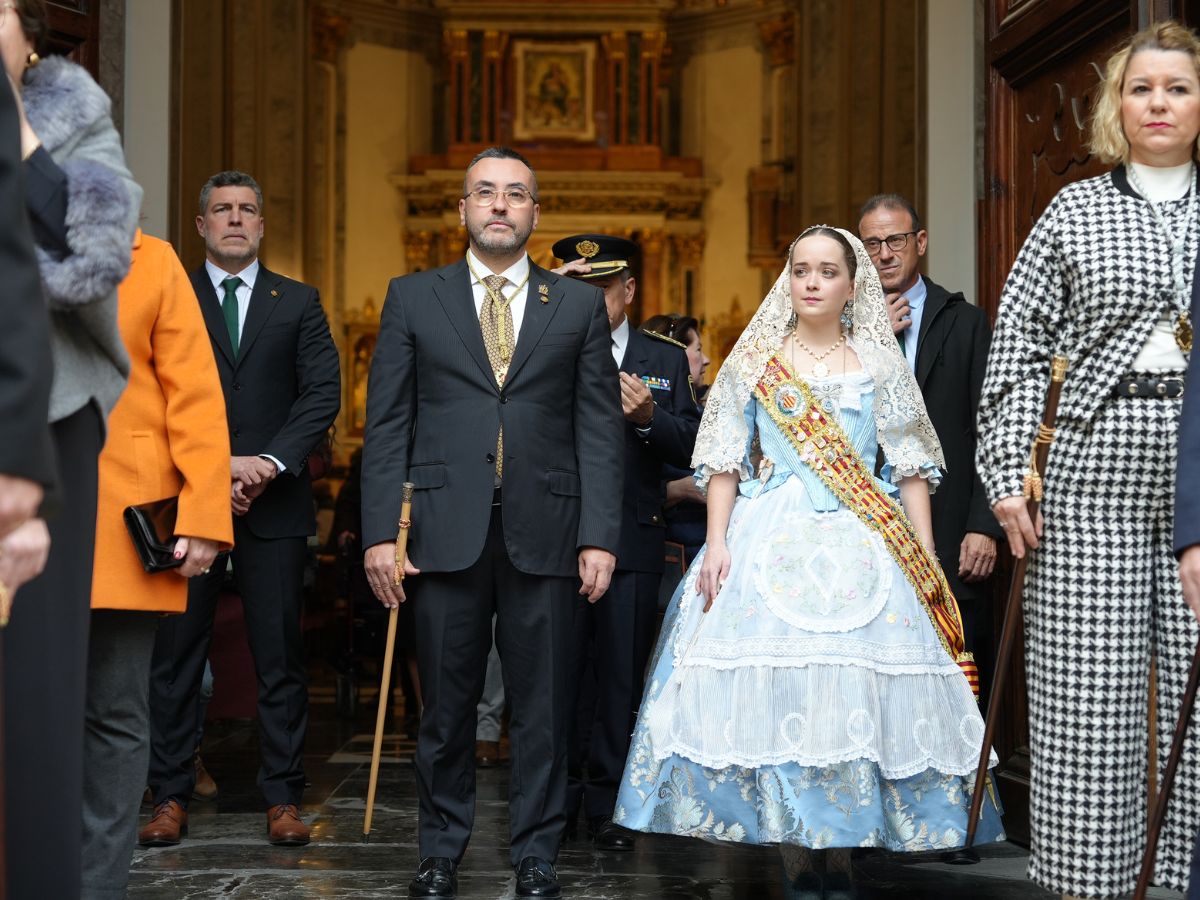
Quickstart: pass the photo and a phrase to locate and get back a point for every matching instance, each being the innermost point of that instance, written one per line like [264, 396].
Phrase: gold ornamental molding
[554, 16]
[695, 20]
[667, 195]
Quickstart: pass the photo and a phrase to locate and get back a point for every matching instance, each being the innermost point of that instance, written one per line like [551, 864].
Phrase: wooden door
[75, 31]
[1043, 60]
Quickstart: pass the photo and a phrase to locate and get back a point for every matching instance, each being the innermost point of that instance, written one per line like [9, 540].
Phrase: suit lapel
[933, 332]
[539, 310]
[210, 308]
[635, 361]
[268, 290]
[454, 294]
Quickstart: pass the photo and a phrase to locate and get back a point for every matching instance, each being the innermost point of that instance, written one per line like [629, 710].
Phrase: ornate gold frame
[565, 74]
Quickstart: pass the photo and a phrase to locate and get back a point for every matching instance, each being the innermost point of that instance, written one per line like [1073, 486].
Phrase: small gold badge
[545, 292]
[1183, 332]
[587, 249]
[274, 293]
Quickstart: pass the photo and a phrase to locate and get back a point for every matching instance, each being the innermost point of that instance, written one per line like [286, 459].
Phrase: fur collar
[61, 100]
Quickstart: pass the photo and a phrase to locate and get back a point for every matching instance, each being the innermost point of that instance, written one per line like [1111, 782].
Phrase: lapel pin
[274, 293]
[545, 292]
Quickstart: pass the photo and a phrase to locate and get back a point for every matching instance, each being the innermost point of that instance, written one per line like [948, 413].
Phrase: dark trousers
[453, 612]
[45, 661]
[116, 744]
[268, 572]
[612, 639]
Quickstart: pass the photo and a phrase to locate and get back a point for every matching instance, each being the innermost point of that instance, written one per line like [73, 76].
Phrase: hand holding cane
[1012, 609]
[389, 649]
[1168, 781]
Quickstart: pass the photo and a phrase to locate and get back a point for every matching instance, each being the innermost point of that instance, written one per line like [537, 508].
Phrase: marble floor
[227, 856]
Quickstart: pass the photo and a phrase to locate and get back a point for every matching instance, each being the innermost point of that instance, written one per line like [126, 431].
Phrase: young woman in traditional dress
[810, 687]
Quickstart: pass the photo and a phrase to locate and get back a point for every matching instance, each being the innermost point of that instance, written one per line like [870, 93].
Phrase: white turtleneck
[1164, 182]
[1160, 353]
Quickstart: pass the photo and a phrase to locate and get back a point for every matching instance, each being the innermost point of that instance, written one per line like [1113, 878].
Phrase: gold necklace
[819, 369]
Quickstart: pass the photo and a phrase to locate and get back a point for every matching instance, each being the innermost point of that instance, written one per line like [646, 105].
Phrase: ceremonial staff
[1164, 792]
[1012, 609]
[385, 681]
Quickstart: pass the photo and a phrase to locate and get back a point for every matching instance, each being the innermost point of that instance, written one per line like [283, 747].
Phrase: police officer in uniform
[617, 634]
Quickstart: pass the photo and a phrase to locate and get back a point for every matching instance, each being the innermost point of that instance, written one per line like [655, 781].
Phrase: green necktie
[229, 307]
[900, 338]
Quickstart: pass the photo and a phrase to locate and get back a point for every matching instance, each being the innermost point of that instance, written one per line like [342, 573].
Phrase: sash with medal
[823, 446]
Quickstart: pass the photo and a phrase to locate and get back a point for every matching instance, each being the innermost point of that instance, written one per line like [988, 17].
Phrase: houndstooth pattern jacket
[1091, 280]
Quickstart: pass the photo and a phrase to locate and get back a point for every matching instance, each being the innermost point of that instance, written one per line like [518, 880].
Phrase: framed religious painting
[555, 90]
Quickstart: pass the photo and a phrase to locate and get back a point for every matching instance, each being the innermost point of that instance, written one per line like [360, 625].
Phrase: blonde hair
[1108, 140]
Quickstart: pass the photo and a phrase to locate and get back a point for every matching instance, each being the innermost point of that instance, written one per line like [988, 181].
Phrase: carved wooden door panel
[75, 31]
[1043, 60]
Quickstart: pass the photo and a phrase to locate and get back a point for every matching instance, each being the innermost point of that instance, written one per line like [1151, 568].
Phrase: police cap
[605, 253]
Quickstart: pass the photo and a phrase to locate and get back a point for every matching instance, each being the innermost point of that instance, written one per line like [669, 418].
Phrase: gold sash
[820, 442]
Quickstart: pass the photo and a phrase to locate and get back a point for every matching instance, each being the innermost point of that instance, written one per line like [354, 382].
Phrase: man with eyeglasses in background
[945, 340]
[494, 392]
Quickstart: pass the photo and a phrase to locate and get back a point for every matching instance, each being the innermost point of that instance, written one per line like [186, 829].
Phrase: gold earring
[32, 60]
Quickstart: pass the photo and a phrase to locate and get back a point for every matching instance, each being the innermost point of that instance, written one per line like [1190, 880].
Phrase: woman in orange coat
[167, 436]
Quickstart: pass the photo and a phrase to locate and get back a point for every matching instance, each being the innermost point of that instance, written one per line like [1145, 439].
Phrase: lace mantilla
[901, 422]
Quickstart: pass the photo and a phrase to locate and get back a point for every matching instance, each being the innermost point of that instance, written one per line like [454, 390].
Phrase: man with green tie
[281, 379]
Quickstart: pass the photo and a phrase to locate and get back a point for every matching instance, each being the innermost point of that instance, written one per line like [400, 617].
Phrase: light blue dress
[814, 703]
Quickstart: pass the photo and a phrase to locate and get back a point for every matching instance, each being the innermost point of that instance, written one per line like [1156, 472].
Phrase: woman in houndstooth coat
[1106, 278]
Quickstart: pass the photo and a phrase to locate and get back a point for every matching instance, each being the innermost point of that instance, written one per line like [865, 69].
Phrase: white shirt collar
[248, 275]
[516, 273]
[620, 338]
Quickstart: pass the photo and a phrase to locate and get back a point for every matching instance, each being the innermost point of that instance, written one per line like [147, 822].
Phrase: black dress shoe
[608, 835]
[437, 876]
[537, 878]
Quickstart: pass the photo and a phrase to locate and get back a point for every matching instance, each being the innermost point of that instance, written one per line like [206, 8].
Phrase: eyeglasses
[895, 242]
[514, 197]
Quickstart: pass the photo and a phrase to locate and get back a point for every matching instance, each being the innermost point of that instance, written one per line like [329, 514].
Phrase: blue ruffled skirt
[813, 705]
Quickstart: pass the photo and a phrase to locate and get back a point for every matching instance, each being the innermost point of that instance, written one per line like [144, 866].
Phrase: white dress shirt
[620, 341]
[248, 275]
[517, 274]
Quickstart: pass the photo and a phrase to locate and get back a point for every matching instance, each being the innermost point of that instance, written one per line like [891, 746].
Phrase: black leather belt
[1149, 387]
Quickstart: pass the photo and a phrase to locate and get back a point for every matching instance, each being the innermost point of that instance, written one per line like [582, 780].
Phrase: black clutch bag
[152, 530]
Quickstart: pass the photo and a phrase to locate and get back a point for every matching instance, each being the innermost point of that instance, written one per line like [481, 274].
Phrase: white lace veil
[902, 425]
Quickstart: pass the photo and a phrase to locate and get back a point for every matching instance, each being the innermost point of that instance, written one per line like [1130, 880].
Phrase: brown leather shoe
[487, 753]
[284, 828]
[206, 788]
[166, 827]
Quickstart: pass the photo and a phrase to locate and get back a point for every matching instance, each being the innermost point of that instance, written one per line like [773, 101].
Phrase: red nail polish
[178, 555]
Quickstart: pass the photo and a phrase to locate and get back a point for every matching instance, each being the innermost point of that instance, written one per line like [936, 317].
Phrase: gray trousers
[116, 749]
[491, 701]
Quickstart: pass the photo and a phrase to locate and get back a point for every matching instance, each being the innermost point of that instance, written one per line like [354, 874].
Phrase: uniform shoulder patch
[664, 339]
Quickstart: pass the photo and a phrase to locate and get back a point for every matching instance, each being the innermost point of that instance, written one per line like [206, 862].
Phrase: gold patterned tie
[496, 322]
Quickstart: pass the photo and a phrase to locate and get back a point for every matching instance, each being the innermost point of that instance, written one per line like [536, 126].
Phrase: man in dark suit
[945, 340]
[280, 374]
[494, 392]
[616, 636]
